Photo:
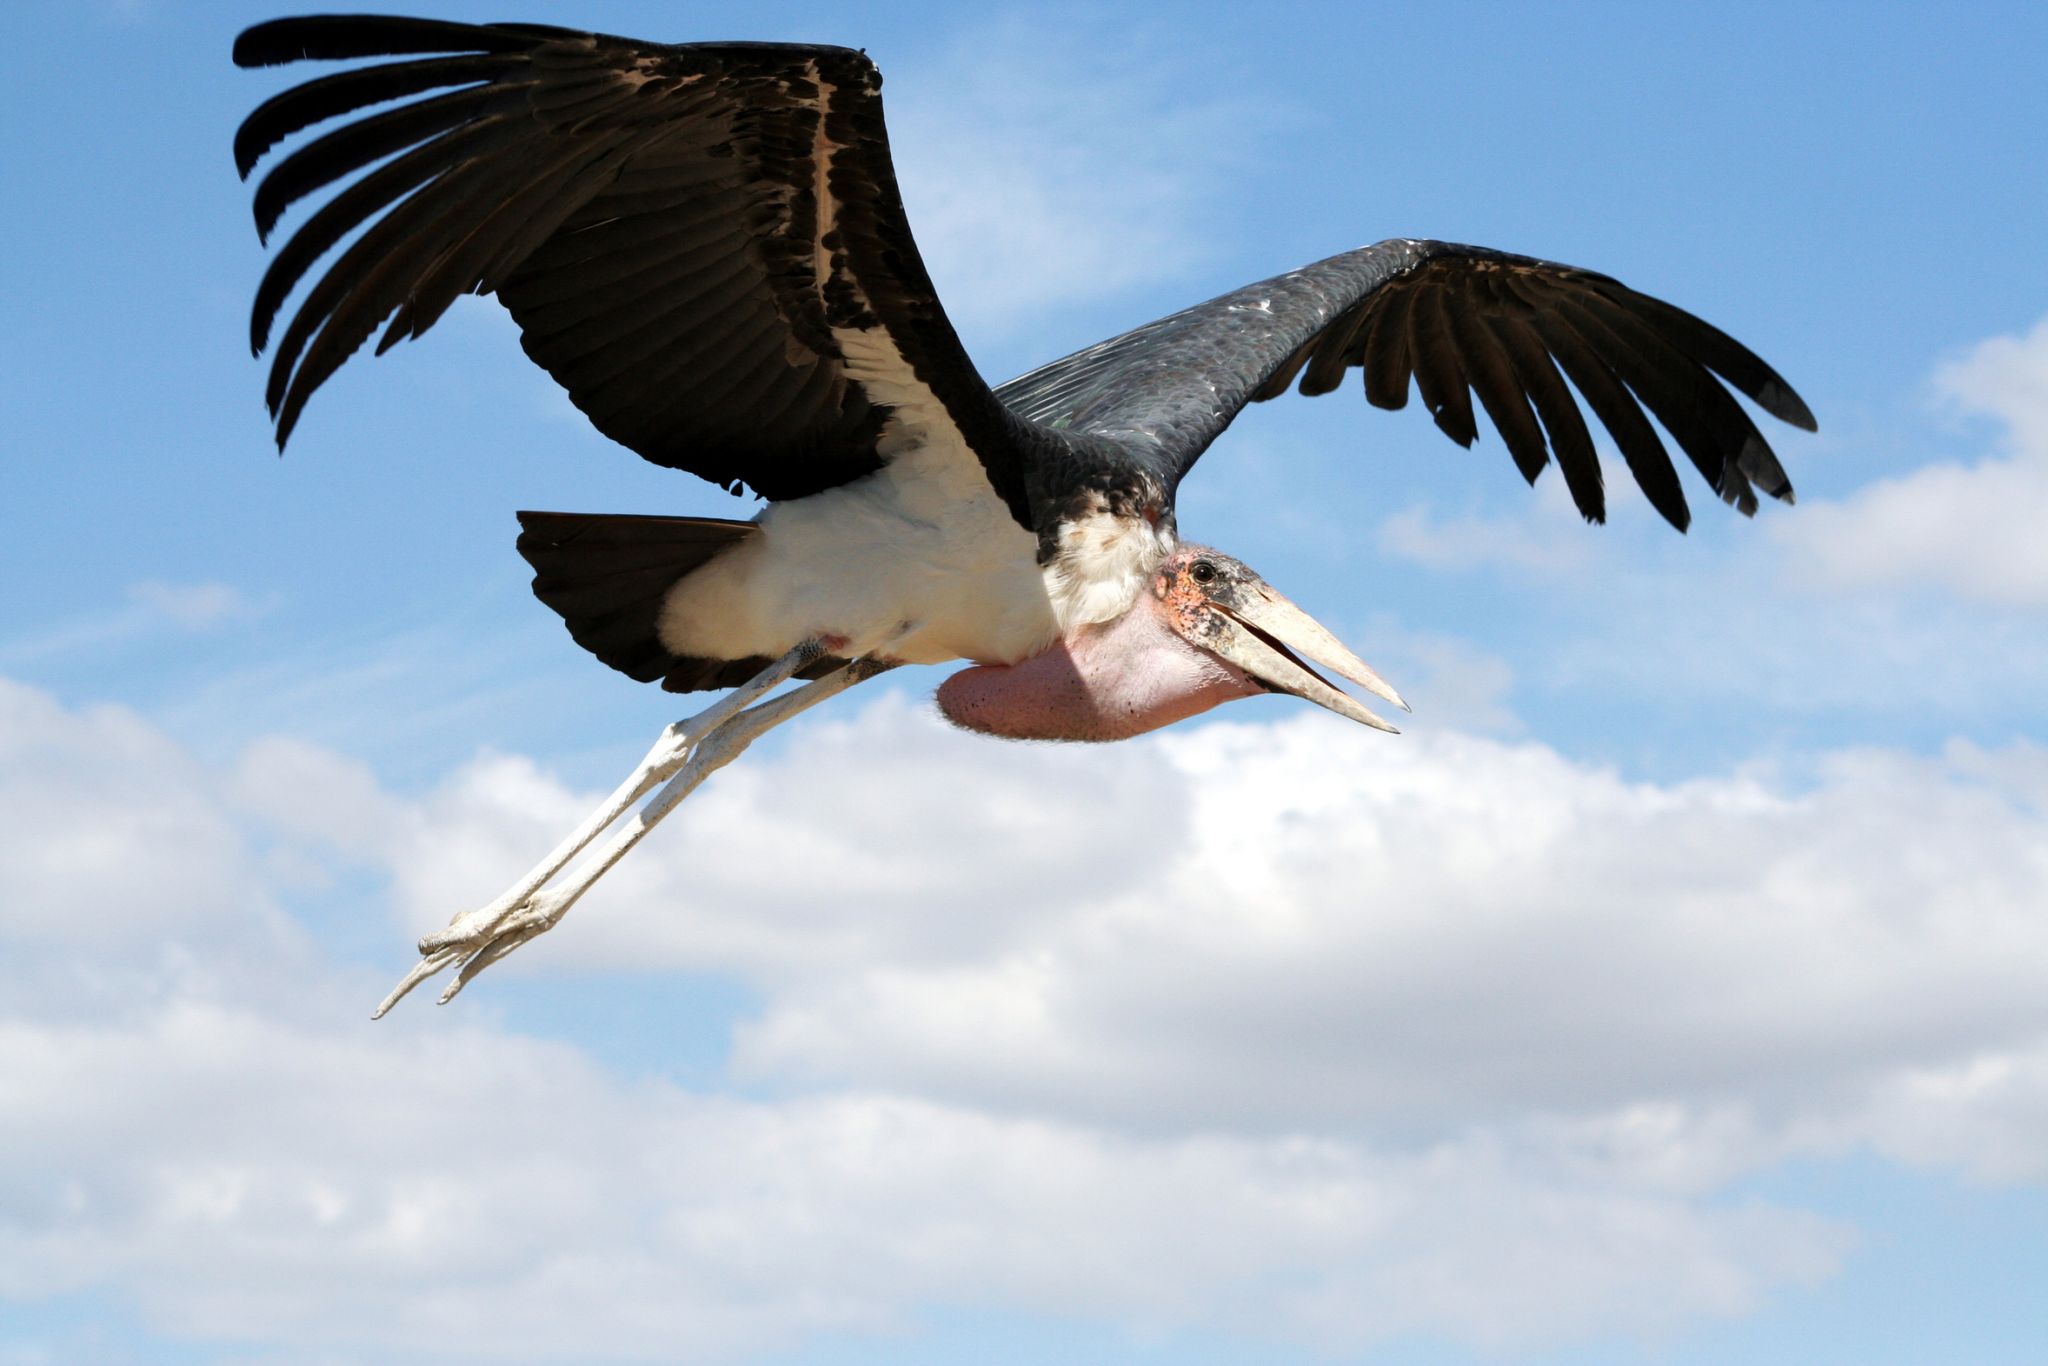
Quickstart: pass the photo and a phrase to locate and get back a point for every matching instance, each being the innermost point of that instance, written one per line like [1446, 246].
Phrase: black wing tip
[305, 37]
[1676, 512]
[1780, 492]
[1745, 371]
[250, 145]
[287, 420]
[339, 37]
[1448, 424]
[1781, 402]
[273, 197]
[267, 44]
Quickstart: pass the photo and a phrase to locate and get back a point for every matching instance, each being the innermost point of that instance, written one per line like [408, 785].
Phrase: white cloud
[1973, 528]
[1390, 938]
[1468, 689]
[1550, 538]
[69, 869]
[463, 1192]
[1289, 1030]
[1410, 935]
[316, 795]
[193, 606]
[153, 608]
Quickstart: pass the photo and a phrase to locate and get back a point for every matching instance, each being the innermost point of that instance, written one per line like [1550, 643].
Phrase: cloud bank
[1973, 528]
[1280, 1030]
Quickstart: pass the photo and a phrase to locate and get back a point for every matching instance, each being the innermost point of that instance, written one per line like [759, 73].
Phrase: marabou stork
[704, 244]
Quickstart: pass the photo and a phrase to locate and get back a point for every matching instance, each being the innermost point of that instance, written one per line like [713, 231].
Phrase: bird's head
[1221, 607]
[1203, 630]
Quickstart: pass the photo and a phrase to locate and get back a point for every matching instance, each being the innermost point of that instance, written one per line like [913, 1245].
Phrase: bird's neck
[1102, 558]
[1103, 682]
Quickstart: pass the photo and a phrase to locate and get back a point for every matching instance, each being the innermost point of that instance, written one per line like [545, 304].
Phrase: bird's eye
[1203, 572]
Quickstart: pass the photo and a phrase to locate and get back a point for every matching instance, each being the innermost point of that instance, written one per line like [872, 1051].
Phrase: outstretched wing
[1460, 320]
[704, 244]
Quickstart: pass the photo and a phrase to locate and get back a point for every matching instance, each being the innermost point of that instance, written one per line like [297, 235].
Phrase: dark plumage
[1459, 320]
[606, 576]
[648, 213]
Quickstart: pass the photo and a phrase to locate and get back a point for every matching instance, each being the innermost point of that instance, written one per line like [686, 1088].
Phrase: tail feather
[608, 575]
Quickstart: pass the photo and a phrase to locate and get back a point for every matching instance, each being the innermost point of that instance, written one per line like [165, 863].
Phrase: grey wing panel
[1173, 385]
[1457, 321]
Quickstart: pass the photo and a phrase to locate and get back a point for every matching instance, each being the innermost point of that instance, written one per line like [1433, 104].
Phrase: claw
[421, 971]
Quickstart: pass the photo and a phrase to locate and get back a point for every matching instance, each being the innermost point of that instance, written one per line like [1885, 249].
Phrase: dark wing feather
[1492, 372]
[704, 244]
[1458, 320]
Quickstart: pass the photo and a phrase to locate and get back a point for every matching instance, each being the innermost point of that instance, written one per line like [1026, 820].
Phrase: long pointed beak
[1264, 631]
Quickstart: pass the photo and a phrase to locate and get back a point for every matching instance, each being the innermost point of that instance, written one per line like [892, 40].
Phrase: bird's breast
[922, 541]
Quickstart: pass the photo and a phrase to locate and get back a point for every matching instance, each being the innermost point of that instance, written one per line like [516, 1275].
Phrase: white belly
[924, 539]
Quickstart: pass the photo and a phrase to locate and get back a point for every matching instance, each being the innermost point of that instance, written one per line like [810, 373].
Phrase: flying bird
[704, 244]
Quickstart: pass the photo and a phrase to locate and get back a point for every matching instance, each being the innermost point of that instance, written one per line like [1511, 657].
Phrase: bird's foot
[476, 939]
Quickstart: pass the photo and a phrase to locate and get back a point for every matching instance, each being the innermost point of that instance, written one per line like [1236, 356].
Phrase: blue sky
[1674, 990]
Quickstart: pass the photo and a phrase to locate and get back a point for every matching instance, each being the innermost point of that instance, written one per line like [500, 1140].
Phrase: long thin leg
[670, 749]
[686, 754]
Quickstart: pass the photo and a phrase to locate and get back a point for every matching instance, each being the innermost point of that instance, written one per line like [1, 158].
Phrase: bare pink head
[1205, 629]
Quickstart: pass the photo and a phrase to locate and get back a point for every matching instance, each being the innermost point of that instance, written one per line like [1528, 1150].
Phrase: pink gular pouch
[1204, 629]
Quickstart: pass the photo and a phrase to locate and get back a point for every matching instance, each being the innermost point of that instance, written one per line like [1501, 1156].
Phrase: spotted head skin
[1203, 630]
[1196, 588]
